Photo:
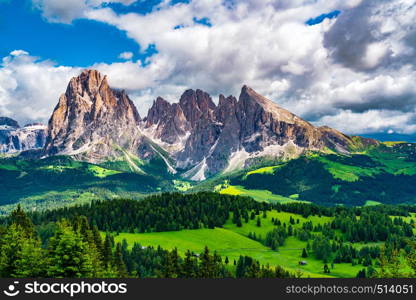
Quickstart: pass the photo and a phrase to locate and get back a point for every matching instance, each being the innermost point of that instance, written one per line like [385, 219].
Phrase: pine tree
[258, 222]
[21, 255]
[190, 266]
[240, 269]
[304, 253]
[107, 251]
[172, 267]
[20, 218]
[68, 254]
[411, 260]
[31, 260]
[206, 269]
[98, 241]
[238, 222]
[119, 264]
[361, 274]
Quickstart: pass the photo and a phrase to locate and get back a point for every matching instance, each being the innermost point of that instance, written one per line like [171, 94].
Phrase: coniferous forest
[85, 240]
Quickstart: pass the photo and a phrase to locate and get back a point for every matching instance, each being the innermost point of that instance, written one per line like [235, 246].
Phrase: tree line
[164, 212]
[78, 250]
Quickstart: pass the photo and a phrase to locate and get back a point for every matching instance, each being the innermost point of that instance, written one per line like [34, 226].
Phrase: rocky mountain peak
[91, 119]
[196, 105]
[94, 122]
[159, 111]
[226, 108]
[14, 138]
[251, 101]
[166, 122]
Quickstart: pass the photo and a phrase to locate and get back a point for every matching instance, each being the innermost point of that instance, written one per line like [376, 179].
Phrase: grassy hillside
[377, 174]
[382, 174]
[259, 195]
[59, 181]
[233, 241]
[346, 240]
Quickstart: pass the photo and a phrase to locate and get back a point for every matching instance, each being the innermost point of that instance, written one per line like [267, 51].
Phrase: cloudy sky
[349, 64]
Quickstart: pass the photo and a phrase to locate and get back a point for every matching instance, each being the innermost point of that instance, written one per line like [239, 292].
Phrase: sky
[348, 64]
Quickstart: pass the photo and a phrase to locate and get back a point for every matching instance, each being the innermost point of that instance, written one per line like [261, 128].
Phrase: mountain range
[97, 146]
[195, 137]
[14, 139]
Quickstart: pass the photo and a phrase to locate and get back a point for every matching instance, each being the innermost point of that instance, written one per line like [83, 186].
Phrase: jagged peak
[226, 100]
[249, 97]
[249, 94]
[89, 81]
[198, 95]
[160, 101]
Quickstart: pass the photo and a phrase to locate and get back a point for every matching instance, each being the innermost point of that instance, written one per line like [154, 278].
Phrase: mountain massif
[14, 139]
[96, 145]
[194, 137]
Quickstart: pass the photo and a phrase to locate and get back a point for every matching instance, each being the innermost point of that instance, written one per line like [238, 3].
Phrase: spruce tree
[68, 254]
[20, 218]
[304, 253]
[119, 264]
[107, 251]
[206, 269]
[190, 266]
[21, 255]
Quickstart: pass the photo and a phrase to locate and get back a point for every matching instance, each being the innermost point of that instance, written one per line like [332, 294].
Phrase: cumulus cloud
[375, 34]
[29, 88]
[375, 121]
[59, 11]
[355, 72]
[126, 55]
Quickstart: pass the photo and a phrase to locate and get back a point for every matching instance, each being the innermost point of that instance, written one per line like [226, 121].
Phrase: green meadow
[232, 241]
[258, 195]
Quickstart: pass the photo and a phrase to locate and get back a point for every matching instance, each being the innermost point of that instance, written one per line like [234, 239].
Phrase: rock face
[91, 120]
[15, 139]
[166, 122]
[234, 134]
[194, 136]
[239, 133]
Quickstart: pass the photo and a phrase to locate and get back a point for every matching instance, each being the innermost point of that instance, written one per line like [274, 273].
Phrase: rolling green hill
[232, 241]
[378, 174]
[347, 240]
[60, 181]
[383, 174]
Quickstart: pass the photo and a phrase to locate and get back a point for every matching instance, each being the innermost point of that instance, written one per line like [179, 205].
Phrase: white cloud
[371, 121]
[65, 11]
[126, 55]
[29, 89]
[18, 53]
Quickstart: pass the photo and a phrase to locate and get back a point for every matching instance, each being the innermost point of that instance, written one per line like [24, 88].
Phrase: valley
[241, 189]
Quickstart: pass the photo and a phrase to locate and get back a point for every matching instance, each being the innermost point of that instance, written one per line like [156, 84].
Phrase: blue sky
[319, 19]
[347, 64]
[82, 43]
